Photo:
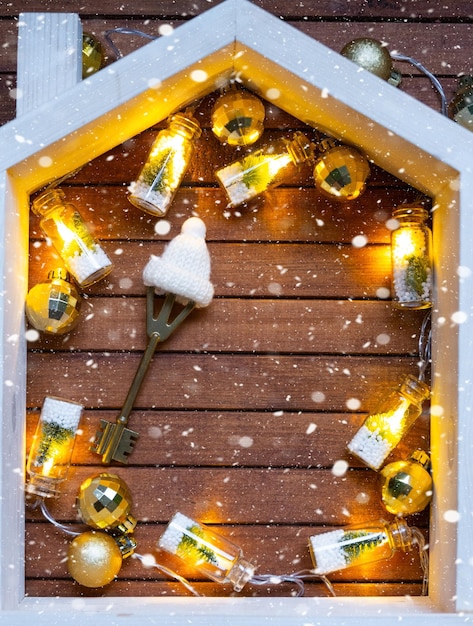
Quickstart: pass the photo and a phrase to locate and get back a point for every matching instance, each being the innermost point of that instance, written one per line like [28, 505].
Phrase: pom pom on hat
[184, 267]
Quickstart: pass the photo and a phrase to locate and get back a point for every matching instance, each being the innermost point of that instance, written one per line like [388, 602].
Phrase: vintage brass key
[114, 441]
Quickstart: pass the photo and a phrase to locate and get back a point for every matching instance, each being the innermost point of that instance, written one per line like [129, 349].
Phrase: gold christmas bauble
[104, 501]
[94, 559]
[341, 173]
[238, 118]
[92, 55]
[406, 485]
[53, 307]
[369, 54]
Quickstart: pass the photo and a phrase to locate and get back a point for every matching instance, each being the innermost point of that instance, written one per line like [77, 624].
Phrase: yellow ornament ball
[94, 559]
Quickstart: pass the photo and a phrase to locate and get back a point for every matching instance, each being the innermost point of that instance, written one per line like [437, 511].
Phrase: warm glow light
[411, 258]
[405, 244]
[66, 234]
[53, 442]
[383, 430]
[212, 554]
[389, 425]
[167, 162]
[265, 168]
[169, 155]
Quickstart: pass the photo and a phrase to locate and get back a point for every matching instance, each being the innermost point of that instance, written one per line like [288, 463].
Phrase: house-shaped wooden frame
[329, 92]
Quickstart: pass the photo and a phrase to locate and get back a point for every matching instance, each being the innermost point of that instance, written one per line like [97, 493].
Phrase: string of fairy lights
[182, 274]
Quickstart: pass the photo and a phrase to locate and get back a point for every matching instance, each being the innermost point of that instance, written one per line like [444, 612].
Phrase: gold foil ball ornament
[407, 484]
[53, 307]
[237, 118]
[104, 501]
[341, 172]
[94, 559]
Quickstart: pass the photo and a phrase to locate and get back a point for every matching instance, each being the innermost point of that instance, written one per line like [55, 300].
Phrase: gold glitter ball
[94, 559]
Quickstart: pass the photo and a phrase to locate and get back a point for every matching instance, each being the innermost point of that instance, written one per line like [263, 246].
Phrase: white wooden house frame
[65, 122]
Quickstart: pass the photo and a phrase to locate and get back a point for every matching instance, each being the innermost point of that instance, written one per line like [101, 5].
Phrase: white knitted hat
[184, 267]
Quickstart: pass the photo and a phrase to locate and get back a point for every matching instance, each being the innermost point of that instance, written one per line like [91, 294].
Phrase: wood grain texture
[244, 409]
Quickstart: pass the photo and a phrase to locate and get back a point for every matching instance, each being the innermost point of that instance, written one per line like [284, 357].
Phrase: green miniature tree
[52, 435]
[416, 274]
[195, 550]
[155, 173]
[355, 543]
[257, 172]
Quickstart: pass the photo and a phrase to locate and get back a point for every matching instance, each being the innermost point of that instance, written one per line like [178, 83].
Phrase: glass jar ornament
[63, 224]
[406, 485]
[411, 258]
[373, 56]
[238, 118]
[362, 544]
[264, 169]
[166, 165]
[95, 558]
[53, 307]
[92, 55]
[104, 502]
[213, 555]
[383, 430]
[51, 449]
[460, 108]
[340, 172]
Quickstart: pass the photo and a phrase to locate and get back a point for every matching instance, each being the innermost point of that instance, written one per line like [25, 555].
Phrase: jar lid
[411, 212]
[47, 200]
[416, 389]
[187, 122]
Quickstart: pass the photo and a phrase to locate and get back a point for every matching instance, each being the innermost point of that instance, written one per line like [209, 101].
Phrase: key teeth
[102, 437]
[104, 440]
[125, 446]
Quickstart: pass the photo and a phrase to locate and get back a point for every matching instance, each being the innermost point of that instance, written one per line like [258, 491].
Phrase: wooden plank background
[227, 412]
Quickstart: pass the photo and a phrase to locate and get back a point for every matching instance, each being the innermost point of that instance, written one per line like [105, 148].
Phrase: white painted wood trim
[431, 151]
[49, 58]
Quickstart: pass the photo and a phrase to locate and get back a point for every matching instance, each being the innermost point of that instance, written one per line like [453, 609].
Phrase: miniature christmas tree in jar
[263, 169]
[63, 224]
[212, 554]
[53, 442]
[411, 258]
[168, 160]
[383, 430]
[359, 545]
